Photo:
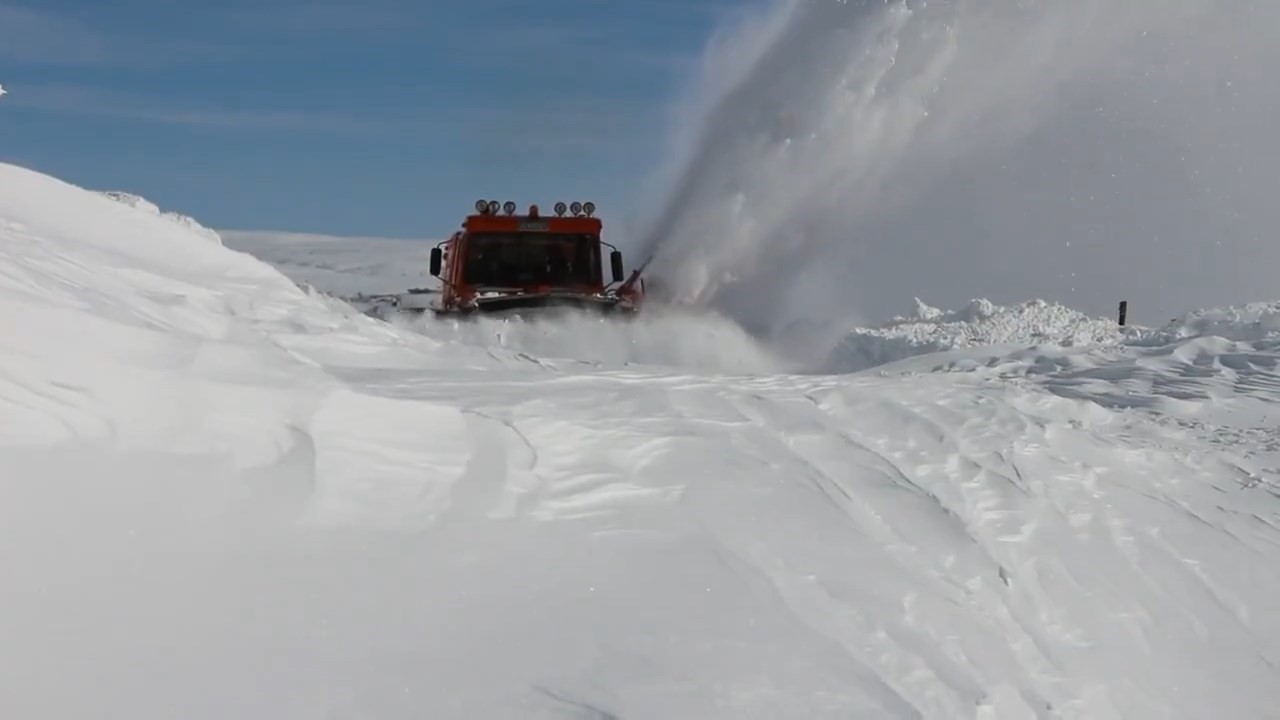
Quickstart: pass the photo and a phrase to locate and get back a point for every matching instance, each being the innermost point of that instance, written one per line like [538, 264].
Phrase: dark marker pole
[1124, 311]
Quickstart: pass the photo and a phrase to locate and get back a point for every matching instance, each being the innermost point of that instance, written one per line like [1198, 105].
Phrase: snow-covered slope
[225, 496]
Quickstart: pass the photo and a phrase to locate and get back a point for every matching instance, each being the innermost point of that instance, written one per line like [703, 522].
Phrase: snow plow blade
[532, 307]
[549, 301]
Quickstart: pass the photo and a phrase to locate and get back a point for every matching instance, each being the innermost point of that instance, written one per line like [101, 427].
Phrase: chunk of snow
[981, 323]
[1248, 322]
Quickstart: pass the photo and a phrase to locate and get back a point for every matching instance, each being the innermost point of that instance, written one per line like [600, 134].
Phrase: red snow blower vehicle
[501, 262]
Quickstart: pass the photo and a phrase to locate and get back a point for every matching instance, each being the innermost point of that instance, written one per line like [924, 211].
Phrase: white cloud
[71, 99]
[42, 37]
[46, 37]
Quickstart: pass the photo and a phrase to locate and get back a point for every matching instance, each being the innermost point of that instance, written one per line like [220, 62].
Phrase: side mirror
[436, 257]
[615, 260]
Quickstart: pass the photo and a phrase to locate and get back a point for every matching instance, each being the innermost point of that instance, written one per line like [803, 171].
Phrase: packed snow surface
[227, 496]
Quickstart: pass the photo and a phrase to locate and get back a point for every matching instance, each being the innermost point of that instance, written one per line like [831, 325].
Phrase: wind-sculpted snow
[224, 496]
[121, 324]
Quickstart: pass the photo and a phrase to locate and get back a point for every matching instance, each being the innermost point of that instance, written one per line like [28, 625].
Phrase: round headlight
[509, 207]
[482, 206]
[494, 207]
[576, 207]
[589, 207]
[561, 208]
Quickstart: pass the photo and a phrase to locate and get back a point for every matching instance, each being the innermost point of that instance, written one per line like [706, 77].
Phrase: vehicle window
[519, 259]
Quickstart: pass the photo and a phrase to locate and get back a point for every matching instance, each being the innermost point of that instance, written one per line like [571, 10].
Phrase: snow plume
[692, 342]
[3, 92]
[851, 155]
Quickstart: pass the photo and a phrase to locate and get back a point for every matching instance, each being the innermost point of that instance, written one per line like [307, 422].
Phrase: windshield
[531, 258]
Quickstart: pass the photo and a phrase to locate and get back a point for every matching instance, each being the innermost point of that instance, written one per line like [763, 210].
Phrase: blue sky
[381, 117]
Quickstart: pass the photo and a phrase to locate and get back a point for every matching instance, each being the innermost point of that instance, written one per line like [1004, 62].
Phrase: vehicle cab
[500, 260]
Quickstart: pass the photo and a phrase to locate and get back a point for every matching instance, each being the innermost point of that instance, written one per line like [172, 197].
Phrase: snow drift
[225, 496]
[1251, 322]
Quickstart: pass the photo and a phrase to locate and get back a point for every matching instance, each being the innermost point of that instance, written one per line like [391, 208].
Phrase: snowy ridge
[980, 324]
[140, 203]
[287, 509]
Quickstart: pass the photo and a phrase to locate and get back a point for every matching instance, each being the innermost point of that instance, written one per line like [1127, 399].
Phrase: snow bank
[141, 203]
[980, 324]
[165, 336]
[1246, 323]
[1035, 325]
